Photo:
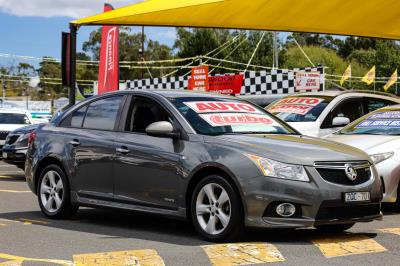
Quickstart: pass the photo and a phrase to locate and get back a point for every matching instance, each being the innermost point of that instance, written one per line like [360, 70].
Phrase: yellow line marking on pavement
[17, 261]
[146, 257]
[29, 221]
[391, 230]
[347, 245]
[14, 191]
[2, 225]
[242, 254]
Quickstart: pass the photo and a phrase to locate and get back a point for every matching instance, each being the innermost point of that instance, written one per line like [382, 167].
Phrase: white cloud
[58, 8]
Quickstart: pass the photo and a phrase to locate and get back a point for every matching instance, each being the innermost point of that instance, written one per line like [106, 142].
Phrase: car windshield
[218, 116]
[16, 119]
[300, 108]
[381, 122]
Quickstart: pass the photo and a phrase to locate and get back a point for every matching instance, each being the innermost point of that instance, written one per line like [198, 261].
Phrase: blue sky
[33, 27]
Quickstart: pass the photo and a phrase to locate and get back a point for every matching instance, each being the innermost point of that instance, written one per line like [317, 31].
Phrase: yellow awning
[370, 18]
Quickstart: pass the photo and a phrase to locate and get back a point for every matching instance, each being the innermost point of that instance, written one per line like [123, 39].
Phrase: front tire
[216, 210]
[335, 228]
[54, 194]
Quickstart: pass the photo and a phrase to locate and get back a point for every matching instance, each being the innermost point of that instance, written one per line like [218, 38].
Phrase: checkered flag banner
[276, 81]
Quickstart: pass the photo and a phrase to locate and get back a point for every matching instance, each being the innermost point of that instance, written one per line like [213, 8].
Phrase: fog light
[286, 209]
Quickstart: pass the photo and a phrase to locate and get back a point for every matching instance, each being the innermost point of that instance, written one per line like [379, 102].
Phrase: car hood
[371, 144]
[10, 127]
[291, 148]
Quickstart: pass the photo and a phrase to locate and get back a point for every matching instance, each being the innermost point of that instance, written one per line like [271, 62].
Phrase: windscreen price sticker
[379, 123]
[383, 115]
[295, 105]
[235, 119]
[217, 107]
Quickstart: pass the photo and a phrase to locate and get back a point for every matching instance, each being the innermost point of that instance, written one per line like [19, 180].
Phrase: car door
[147, 169]
[352, 108]
[91, 141]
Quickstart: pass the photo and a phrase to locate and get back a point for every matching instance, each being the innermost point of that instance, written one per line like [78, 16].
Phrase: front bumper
[389, 172]
[15, 156]
[317, 202]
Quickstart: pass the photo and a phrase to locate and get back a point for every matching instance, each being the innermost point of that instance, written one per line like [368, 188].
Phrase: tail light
[31, 138]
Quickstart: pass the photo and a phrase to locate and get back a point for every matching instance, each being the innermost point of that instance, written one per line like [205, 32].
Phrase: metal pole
[72, 89]
[276, 50]
[142, 51]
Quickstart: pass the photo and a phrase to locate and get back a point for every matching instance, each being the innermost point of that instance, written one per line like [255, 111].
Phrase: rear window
[16, 119]
[300, 108]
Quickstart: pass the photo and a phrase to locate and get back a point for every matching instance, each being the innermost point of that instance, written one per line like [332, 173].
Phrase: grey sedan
[218, 161]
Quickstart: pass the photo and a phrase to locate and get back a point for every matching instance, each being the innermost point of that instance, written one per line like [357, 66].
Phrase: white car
[319, 114]
[378, 134]
[11, 119]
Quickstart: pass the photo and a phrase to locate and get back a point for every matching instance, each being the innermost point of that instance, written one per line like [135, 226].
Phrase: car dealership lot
[103, 237]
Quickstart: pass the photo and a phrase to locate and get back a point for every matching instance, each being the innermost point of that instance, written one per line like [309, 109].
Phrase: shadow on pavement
[124, 224]
[12, 178]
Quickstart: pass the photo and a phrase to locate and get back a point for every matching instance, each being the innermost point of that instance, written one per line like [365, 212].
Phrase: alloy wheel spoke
[210, 228]
[223, 218]
[202, 209]
[59, 185]
[49, 203]
[209, 190]
[223, 198]
[51, 177]
[45, 189]
[57, 200]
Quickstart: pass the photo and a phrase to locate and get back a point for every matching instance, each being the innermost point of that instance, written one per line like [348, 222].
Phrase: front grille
[3, 134]
[12, 139]
[336, 173]
[347, 212]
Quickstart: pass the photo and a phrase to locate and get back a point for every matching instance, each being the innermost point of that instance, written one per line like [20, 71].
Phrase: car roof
[171, 93]
[13, 111]
[336, 93]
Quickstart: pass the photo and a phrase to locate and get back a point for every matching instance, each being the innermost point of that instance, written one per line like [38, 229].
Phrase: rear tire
[397, 204]
[216, 210]
[334, 228]
[54, 193]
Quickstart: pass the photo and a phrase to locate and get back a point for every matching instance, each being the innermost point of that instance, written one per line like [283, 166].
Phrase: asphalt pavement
[105, 237]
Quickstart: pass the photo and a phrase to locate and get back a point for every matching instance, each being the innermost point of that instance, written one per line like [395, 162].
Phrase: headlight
[276, 169]
[380, 157]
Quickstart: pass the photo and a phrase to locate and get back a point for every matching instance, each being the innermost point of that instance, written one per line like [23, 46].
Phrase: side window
[373, 104]
[102, 114]
[78, 116]
[144, 112]
[352, 109]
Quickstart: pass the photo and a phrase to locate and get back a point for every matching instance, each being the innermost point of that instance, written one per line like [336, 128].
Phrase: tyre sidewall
[236, 221]
[66, 195]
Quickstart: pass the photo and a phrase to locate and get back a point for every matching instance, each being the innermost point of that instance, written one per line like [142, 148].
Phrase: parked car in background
[321, 113]
[378, 134]
[11, 119]
[217, 161]
[16, 146]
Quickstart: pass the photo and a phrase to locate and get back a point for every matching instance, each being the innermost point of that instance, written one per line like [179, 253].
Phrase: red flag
[109, 62]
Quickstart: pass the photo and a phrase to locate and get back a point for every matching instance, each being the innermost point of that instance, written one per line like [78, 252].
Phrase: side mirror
[162, 129]
[340, 121]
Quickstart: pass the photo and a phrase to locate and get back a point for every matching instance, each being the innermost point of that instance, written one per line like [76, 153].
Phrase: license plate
[357, 196]
[4, 155]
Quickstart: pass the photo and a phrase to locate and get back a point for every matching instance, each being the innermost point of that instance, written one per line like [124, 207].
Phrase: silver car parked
[378, 134]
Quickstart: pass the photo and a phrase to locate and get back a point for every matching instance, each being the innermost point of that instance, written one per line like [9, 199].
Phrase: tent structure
[369, 18]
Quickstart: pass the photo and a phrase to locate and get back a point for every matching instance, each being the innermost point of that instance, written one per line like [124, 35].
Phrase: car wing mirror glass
[340, 121]
[162, 129]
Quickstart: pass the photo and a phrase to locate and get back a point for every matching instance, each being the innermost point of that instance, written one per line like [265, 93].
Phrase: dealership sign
[308, 81]
[214, 107]
[199, 80]
[295, 105]
[226, 84]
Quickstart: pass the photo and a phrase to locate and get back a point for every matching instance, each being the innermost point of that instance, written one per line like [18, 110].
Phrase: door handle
[75, 142]
[122, 150]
